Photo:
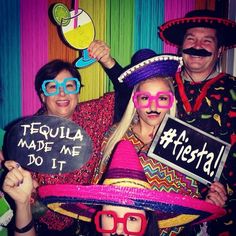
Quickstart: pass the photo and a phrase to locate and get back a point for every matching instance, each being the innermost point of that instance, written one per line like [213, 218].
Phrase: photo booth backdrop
[29, 39]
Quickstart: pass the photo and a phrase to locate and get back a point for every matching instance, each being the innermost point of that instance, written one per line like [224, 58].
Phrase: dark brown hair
[50, 70]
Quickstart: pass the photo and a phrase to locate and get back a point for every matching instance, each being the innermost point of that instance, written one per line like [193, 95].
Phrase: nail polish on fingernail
[17, 165]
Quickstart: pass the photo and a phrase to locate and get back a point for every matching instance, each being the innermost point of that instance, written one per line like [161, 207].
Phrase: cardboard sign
[48, 144]
[189, 150]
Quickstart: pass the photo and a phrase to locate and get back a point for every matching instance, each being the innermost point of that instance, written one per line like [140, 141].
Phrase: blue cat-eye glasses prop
[69, 85]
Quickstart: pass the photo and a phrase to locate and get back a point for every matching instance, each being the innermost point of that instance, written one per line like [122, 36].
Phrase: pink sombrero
[125, 184]
[173, 31]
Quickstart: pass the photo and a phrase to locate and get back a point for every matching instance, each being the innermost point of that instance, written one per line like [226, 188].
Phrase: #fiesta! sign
[48, 144]
[189, 150]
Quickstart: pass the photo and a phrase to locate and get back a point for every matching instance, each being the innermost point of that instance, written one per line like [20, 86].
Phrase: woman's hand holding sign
[18, 182]
[217, 194]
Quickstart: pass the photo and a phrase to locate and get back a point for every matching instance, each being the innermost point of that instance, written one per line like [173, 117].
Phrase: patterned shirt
[211, 106]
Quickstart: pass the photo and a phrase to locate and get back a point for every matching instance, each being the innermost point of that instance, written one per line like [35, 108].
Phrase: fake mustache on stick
[197, 52]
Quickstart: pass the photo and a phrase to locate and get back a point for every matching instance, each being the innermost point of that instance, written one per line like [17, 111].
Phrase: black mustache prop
[197, 52]
[153, 112]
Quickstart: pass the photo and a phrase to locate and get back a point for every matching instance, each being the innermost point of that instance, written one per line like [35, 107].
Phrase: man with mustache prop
[206, 97]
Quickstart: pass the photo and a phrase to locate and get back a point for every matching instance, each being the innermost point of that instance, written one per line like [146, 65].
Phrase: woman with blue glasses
[58, 85]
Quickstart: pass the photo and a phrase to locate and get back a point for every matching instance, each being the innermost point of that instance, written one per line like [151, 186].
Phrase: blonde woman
[150, 75]
[152, 97]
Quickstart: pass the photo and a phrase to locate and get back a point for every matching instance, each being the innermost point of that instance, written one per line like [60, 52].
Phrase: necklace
[187, 106]
[201, 80]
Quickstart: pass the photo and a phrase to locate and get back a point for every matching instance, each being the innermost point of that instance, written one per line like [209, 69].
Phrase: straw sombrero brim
[172, 209]
[164, 65]
[173, 31]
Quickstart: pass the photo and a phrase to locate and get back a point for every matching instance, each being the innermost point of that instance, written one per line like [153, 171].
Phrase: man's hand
[101, 52]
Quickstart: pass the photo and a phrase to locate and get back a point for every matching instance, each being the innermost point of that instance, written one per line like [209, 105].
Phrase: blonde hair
[129, 114]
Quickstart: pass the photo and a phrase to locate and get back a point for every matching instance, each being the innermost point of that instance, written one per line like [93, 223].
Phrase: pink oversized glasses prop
[164, 99]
